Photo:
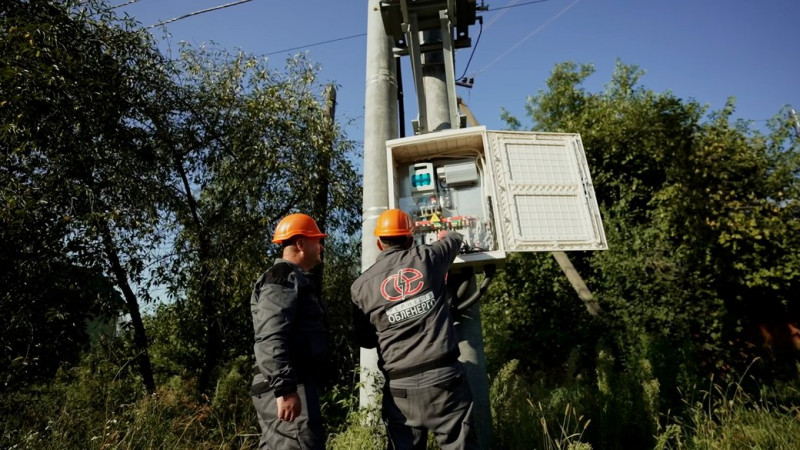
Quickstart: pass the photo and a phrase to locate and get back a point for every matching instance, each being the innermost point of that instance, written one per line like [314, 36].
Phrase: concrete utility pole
[431, 57]
[380, 125]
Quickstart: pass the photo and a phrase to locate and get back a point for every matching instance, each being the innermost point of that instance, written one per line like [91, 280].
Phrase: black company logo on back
[403, 285]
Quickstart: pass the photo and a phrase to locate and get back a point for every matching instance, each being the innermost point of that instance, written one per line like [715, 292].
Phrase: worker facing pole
[424, 30]
[468, 321]
[468, 182]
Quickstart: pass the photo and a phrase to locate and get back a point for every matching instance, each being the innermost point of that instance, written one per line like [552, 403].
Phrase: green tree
[249, 146]
[700, 213]
[81, 172]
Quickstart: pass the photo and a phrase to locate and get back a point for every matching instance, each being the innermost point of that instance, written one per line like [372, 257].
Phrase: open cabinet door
[544, 195]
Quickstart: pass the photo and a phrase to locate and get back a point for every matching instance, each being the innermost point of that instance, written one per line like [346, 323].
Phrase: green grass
[84, 412]
[731, 418]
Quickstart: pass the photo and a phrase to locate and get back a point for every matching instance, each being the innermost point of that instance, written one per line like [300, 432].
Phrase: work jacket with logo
[401, 308]
[291, 344]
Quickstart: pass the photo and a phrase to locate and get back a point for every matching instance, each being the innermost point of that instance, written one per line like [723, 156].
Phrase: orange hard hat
[394, 222]
[296, 225]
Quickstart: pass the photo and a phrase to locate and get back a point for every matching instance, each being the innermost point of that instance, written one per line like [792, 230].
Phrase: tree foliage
[122, 172]
[701, 216]
[79, 167]
[123, 168]
[249, 145]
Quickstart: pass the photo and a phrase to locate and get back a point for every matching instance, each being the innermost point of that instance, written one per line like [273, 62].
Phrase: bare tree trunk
[206, 291]
[140, 336]
[208, 309]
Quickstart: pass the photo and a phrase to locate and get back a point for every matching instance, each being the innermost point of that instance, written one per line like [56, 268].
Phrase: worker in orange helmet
[291, 343]
[401, 309]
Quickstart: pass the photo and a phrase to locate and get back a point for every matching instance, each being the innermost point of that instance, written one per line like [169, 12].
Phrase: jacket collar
[281, 260]
[387, 252]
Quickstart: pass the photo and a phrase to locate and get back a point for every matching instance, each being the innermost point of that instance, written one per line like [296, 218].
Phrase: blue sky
[707, 50]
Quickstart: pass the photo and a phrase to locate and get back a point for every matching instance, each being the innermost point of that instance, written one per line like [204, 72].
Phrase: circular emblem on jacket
[404, 283]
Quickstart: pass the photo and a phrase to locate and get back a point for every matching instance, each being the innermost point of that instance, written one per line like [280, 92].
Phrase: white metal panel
[545, 197]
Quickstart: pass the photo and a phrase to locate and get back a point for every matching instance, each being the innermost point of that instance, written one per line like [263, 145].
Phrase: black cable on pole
[477, 41]
[401, 109]
[464, 304]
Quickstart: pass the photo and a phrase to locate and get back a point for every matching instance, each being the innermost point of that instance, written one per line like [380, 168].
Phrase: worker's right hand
[289, 407]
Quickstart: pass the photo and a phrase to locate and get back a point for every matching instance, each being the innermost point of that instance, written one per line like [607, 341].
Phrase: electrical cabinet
[503, 191]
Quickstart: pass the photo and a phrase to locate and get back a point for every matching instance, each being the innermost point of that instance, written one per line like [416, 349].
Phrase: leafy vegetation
[123, 173]
[699, 210]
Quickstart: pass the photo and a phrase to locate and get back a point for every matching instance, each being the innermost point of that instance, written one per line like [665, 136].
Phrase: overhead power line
[202, 11]
[364, 34]
[124, 4]
[514, 6]
[317, 43]
[497, 17]
[329, 41]
[552, 19]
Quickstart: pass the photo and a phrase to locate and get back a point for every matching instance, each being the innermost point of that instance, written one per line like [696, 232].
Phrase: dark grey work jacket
[401, 307]
[291, 344]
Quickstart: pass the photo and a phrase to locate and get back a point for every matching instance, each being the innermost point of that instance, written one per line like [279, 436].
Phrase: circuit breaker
[503, 191]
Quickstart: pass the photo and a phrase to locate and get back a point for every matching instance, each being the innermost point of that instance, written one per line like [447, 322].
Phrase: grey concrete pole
[435, 84]
[380, 125]
[468, 327]
[468, 323]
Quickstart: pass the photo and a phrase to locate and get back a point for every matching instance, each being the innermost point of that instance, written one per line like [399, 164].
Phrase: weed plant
[95, 407]
[732, 418]
[520, 422]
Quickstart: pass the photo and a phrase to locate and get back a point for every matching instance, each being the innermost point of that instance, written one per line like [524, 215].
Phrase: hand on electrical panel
[464, 247]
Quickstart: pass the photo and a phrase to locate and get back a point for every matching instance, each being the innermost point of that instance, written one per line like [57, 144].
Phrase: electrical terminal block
[476, 233]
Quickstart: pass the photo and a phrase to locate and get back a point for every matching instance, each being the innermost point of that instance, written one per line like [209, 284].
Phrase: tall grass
[363, 430]
[92, 411]
[520, 422]
[82, 411]
[730, 417]
[575, 416]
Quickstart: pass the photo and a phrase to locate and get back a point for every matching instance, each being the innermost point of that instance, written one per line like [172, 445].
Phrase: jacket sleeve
[274, 307]
[448, 246]
[366, 333]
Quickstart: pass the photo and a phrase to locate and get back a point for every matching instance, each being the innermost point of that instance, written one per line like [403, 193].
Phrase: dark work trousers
[303, 433]
[438, 400]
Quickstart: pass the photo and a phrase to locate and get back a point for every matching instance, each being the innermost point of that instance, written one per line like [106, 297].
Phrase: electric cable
[202, 11]
[477, 41]
[541, 27]
[124, 4]
[315, 44]
[497, 17]
[514, 6]
[494, 19]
